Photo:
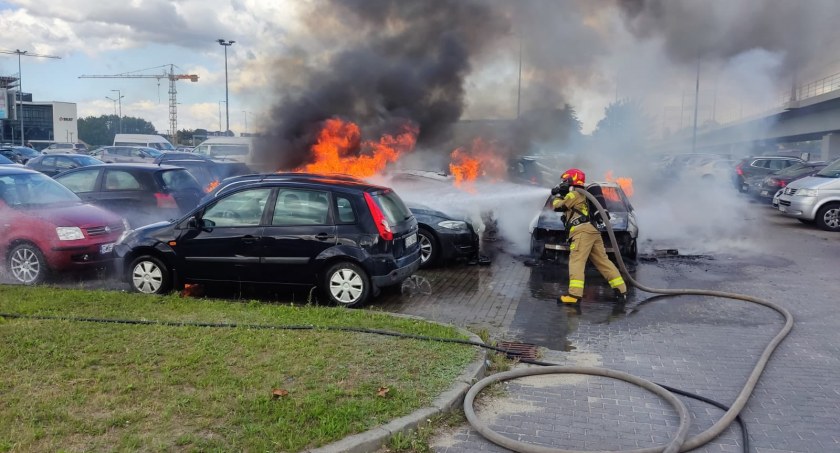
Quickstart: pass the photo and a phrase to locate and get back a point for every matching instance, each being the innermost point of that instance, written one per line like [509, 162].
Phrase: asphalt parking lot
[695, 343]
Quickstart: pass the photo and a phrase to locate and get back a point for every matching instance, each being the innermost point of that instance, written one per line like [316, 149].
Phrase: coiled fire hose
[678, 442]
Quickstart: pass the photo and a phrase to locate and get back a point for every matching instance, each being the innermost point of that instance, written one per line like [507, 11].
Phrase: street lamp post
[115, 103]
[245, 115]
[119, 98]
[220, 115]
[226, 44]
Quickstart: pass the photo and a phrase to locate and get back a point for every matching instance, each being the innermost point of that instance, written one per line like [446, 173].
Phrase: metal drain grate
[518, 350]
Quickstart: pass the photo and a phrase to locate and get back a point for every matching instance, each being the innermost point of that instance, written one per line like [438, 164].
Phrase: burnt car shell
[444, 243]
[549, 237]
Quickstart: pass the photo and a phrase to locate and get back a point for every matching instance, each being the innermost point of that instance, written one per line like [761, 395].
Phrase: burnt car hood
[81, 215]
[425, 210]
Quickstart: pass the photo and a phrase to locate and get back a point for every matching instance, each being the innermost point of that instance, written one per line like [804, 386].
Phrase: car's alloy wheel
[27, 264]
[347, 284]
[149, 276]
[429, 250]
[828, 217]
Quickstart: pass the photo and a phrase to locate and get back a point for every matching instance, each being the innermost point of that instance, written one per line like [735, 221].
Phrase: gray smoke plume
[723, 29]
[403, 61]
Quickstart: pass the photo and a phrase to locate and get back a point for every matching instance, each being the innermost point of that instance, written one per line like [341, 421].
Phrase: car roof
[11, 170]
[339, 180]
[146, 167]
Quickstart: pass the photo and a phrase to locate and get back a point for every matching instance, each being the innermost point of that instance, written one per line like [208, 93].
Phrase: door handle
[249, 239]
[323, 236]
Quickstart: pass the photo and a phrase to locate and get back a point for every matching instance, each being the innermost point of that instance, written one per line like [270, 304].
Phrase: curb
[376, 438]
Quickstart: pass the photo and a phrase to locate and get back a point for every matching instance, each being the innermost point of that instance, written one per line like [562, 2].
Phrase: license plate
[411, 240]
[764, 193]
[106, 248]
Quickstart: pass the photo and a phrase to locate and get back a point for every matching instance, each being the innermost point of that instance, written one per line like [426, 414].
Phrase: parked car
[815, 199]
[144, 141]
[54, 164]
[443, 237]
[185, 149]
[548, 233]
[207, 172]
[142, 193]
[765, 187]
[760, 165]
[6, 162]
[707, 170]
[345, 236]
[19, 154]
[127, 154]
[61, 148]
[46, 228]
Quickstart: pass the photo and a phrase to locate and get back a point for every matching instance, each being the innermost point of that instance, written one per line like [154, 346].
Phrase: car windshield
[4, 160]
[34, 190]
[794, 169]
[831, 171]
[162, 146]
[87, 160]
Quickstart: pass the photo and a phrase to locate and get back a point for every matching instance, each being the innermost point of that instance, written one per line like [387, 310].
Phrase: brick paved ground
[702, 345]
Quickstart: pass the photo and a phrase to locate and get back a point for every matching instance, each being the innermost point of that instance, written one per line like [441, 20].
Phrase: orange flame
[625, 183]
[340, 149]
[483, 159]
[211, 186]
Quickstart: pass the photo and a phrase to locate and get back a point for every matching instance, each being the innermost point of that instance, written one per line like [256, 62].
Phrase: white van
[227, 148]
[144, 140]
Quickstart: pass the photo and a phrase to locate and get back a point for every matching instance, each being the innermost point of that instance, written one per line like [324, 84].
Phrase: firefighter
[585, 240]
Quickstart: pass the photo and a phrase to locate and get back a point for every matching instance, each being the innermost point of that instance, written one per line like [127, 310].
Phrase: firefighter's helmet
[574, 177]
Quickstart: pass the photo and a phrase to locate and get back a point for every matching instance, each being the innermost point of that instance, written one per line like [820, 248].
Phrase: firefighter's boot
[620, 297]
[568, 299]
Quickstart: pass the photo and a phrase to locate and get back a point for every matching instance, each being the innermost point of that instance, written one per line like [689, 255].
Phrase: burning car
[549, 237]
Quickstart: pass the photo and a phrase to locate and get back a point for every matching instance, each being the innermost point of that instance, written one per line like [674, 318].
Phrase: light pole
[220, 115]
[119, 98]
[226, 44]
[115, 103]
[20, 53]
[245, 114]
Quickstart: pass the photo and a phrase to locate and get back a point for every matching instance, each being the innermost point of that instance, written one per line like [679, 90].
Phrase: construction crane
[173, 99]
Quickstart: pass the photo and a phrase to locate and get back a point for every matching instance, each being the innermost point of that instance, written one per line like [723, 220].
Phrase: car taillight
[739, 170]
[165, 200]
[781, 183]
[379, 219]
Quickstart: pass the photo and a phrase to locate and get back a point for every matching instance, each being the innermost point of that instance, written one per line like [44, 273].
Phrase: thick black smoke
[722, 29]
[405, 60]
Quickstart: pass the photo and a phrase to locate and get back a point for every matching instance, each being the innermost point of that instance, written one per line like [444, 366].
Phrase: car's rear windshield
[393, 208]
[34, 190]
[831, 171]
[179, 179]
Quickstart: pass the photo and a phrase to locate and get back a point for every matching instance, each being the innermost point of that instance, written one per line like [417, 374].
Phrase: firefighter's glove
[560, 190]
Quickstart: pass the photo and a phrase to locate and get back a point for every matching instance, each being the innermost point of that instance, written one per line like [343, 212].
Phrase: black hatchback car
[141, 193]
[443, 237]
[345, 236]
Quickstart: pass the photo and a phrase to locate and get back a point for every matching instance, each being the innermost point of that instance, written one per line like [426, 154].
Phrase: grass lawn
[79, 386]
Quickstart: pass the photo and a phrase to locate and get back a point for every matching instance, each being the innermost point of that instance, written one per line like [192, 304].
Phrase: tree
[101, 130]
[625, 125]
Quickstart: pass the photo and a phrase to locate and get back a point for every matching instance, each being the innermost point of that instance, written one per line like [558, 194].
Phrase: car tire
[828, 217]
[27, 265]
[346, 284]
[429, 248]
[149, 275]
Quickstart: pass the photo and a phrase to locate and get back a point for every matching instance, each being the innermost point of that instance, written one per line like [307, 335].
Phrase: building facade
[42, 121]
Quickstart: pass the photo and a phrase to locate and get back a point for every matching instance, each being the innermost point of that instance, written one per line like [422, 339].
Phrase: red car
[44, 227]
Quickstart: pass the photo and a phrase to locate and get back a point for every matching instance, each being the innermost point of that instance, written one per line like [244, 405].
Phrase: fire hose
[679, 440]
